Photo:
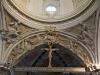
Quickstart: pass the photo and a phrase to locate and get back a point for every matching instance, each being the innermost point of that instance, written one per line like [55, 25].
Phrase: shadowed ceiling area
[61, 57]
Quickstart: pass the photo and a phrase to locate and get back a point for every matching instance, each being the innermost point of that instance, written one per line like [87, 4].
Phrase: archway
[64, 38]
[37, 57]
[77, 49]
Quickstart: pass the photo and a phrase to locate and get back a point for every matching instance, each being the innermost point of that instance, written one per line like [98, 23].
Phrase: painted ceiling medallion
[34, 13]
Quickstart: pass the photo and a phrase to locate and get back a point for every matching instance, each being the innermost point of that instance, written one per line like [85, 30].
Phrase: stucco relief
[86, 32]
[31, 42]
[76, 48]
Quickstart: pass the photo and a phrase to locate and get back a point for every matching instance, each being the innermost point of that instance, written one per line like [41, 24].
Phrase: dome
[65, 8]
[42, 12]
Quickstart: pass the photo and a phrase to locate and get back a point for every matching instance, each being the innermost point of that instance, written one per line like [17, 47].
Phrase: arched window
[51, 9]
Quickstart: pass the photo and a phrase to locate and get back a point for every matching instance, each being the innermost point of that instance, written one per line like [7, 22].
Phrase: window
[51, 10]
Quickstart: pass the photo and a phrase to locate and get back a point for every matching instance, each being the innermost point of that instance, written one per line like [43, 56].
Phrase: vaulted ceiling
[36, 8]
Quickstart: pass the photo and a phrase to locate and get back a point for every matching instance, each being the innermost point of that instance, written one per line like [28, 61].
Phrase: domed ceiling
[46, 11]
[64, 8]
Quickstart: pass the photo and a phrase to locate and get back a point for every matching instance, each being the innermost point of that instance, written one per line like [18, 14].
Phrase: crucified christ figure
[50, 50]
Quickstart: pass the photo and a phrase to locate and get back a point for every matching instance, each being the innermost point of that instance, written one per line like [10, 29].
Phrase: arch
[12, 46]
[62, 55]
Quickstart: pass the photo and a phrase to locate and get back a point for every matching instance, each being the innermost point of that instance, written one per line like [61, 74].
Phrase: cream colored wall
[35, 7]
[21, 3]
[78, 3]
[66, 6]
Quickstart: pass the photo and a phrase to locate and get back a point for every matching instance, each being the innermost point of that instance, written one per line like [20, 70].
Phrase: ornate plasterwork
[34, 23]
[17, 48]
[11, 30]
[19, 34]
[15, 29]
[36, 39]
[19, 37]
[86, 32]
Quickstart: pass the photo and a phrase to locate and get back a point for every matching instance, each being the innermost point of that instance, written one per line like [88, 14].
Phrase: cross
[50, 50]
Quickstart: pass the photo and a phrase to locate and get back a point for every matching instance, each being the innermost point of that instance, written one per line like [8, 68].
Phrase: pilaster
[3, 31]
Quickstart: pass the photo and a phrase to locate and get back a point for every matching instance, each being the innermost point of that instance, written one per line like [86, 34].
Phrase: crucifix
[50, 50]
[50, 40]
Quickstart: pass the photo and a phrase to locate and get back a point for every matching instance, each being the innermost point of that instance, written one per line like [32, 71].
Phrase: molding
[98, 37]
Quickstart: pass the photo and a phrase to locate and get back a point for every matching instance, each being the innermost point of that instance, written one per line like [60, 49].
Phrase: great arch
[13, 54]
